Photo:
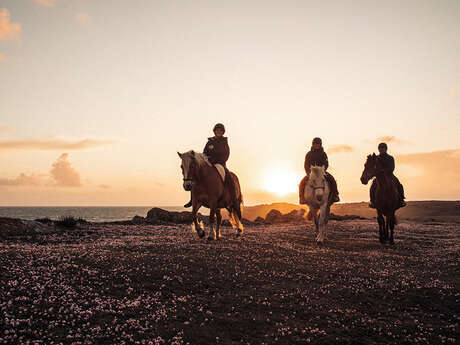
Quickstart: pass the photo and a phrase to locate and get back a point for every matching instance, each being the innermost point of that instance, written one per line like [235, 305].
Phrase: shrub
[45, 220]
[67, 222]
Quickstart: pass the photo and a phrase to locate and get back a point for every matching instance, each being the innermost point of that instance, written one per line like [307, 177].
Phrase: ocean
[92, 214]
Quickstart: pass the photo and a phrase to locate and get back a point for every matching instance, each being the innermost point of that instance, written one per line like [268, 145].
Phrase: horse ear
[193, 154]
[373, 154]
[179, 154]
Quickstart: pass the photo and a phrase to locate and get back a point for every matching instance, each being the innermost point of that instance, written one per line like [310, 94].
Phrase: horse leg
[392, 227]
[317, 224]
[219, 221]
[195, 225]
[237, 211]
[381, 221]
[212, 218]
[322, 223]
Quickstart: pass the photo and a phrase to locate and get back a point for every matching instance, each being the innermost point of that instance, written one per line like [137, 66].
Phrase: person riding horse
[217, 152]
[388, 166]
[317, 156]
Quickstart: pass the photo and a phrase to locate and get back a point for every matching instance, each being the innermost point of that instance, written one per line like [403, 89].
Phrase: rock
[157, 214]
[18, 227]
[295, 216]
[138, 220]
[246, 221]
[259, 220]
[273, 217]
[182, 217]
[333, 216]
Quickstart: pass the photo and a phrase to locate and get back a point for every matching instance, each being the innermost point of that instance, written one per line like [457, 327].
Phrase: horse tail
[235, 208]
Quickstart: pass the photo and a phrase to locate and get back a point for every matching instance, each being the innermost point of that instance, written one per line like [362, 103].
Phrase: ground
[114, 284]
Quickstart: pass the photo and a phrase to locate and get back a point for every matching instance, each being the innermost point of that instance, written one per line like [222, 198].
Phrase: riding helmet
[219, 126]
[383, 145]
[317, 141]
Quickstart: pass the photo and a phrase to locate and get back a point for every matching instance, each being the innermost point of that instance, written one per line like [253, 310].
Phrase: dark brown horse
[386, 197]
[209, 190]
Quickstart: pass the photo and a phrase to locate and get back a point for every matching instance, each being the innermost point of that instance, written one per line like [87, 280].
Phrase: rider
[218, 151]
[388, 165]
[317, 156]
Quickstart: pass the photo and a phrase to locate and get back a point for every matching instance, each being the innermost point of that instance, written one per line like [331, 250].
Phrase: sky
[96, 97]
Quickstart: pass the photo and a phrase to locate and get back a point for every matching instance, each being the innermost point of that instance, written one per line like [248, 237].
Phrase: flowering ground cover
[146, 284]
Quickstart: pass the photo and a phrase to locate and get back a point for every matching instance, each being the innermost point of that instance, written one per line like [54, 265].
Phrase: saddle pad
[221, 171]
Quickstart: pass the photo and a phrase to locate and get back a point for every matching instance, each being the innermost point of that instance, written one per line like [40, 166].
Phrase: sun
[281, 181]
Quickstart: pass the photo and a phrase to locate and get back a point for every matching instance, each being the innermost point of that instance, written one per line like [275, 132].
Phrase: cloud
[46, 3]
[392, 139]
[3, 58]
[23, 180]
[455, 91]
[82, 18]
[52, 144]
[340, 148]
[8, 30]
[104, 186]
[4, 128]
[64, 174]
[436, 174]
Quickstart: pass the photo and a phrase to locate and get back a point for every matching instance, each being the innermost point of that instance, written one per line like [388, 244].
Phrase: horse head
[370, 168]
[317, 181]
[188, 168]
[191, 162]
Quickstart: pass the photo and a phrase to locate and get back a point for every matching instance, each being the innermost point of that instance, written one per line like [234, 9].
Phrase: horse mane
[317, 170]
[200, 158]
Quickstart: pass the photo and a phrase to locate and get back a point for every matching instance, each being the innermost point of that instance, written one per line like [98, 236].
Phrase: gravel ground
[115, 284]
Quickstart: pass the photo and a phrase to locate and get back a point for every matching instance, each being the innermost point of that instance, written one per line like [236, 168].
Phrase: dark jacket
[315, 157]
[387, 163]
[217, 150]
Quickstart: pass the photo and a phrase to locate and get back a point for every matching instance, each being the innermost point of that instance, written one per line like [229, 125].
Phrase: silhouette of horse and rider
[213, 186]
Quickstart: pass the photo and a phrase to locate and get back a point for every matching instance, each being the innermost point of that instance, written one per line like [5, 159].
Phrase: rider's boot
[189, 204]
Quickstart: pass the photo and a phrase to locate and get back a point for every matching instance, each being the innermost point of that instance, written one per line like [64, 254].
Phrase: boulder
[273, 217]
[259, 220]
[18, 227]
[138, 220]
[157, 214]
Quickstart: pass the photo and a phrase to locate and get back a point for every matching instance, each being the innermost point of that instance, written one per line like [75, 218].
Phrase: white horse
[316, 194]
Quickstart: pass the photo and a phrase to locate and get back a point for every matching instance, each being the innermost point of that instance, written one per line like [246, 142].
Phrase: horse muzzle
[319, 192]
[364, 179]
[188, 185]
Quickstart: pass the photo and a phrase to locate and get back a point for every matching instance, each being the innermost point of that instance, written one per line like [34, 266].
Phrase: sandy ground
[113, 284]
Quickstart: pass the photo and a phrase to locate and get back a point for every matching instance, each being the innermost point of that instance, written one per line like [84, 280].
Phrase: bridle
[191, 172]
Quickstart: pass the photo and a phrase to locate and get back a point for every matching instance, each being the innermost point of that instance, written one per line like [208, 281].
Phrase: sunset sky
[96, 97]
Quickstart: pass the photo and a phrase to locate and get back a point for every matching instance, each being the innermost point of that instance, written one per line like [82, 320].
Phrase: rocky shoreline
[155, 216]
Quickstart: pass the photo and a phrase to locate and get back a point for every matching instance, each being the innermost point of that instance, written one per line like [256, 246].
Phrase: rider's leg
[333, 186]
[401, 191]
[302, 190]
[372, 194]
[190, 202]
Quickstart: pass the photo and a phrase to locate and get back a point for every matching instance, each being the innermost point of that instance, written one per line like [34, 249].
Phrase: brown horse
[209, 190]
[386, 197]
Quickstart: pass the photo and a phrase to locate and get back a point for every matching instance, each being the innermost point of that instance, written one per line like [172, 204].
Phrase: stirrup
[403, 203]
[187, 205]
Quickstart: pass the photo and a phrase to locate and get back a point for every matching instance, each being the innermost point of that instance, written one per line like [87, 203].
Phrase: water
[92, 214]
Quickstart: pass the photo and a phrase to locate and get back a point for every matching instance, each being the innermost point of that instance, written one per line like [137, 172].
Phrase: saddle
[221, 170]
